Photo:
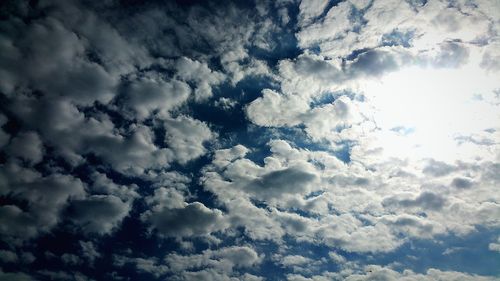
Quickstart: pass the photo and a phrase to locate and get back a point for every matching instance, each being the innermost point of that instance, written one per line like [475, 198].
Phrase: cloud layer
[265, 140]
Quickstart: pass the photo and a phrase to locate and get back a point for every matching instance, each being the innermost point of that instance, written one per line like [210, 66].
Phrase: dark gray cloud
[47, 196]
[438, 168]
[426, 201]
[98, 213]
[462, 182]
[193, 219]
[292, 180]
[27, 146]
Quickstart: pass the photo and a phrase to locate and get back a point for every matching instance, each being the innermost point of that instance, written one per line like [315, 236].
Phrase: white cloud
[311, 9]
[205, 78]
[273, 109]
[398, 101]
[215, 264]
[148, 95]
[494, 246]
[186, 136]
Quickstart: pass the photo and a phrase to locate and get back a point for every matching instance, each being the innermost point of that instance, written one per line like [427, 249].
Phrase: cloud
[193, 219]
[381, 273]
[150, 266]
[219, 264]
[186, 136]
[98, 213]
[8, 256]
[294, 260]
[4, 137]
[82, 81]
[276, 183]
[374, 63]
[462, 183]
[15, 276]
[494, 246]
[47, 196]
[437, 168]
[309, 10]
[89, 251]
[249, 135]
[425, 200]
[147, 95]
[451, 55]
[273, 109]
[26, 146]
[491, 58]
[200, 73]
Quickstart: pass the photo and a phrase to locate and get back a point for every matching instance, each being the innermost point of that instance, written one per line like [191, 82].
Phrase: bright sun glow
[421, 112]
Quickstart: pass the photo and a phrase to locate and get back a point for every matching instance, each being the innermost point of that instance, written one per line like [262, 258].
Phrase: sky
[254, 140]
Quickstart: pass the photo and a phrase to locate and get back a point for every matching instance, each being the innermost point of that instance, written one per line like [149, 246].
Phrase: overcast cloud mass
[256, 140]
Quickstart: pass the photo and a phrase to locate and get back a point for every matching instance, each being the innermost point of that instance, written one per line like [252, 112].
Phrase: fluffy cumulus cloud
[261, 140]
[193, 219]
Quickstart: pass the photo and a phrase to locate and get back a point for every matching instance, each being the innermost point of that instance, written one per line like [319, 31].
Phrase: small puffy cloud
[374, 63]
[148, 95]
[98, 213]
[413, 226]
[293, 260]
[17, 276]
[425, 200]
[104, 185]
[239, 256]
[495, 246]
[150, 266]
[374, 272]
[47, 196]
[223, 157]
[437, 168]
[274, 109]
[334, 25]
[70, 259]
[200, 73]
[89, 251]
[7, 256]
[491, 57]
[64, 275]
[81, 81]
[311, 9]
[27, 146]
[226, 103]
[351, 236]
[221, 264]
[166, 198]
[186, 137]
[193, 219]
[16, 224]
[132, 153]
[292, 180]
[451, 54]
[462, 183]
[323, 122]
